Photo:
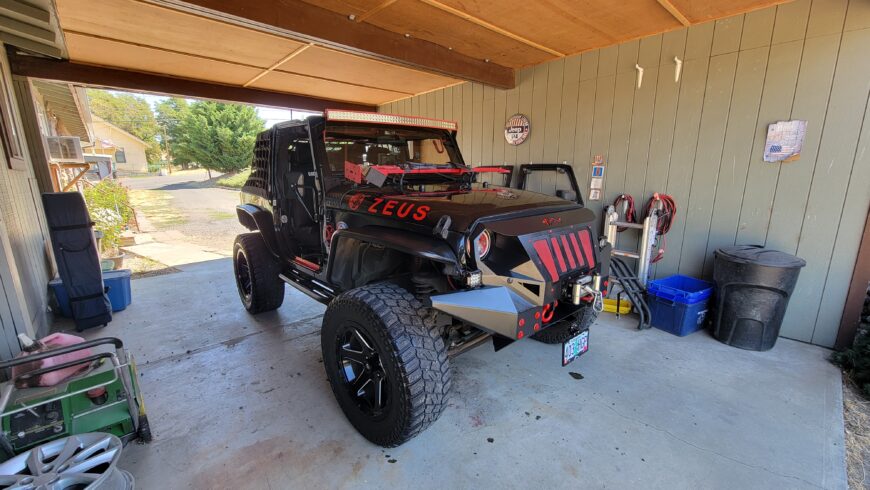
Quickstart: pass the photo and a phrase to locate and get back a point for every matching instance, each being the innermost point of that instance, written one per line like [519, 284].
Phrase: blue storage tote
[119, 292]
[118, 283]
[678, 304]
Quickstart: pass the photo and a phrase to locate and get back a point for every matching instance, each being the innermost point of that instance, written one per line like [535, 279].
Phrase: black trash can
[753, 286]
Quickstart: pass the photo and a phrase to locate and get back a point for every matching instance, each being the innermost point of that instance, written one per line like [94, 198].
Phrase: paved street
[183, 217]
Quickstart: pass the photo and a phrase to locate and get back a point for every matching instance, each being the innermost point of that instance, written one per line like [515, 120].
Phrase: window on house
[120, 156]
[8, 130]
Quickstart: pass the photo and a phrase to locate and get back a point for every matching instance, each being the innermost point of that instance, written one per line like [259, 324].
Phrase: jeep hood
[465, 206]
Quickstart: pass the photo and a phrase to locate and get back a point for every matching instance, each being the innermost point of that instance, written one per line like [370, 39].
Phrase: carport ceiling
[521, 33]
[363, 51]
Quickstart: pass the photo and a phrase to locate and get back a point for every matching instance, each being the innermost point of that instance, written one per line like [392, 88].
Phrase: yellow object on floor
[610, 306]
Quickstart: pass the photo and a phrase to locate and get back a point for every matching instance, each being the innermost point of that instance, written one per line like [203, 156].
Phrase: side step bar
[633, 289]
[311, 287]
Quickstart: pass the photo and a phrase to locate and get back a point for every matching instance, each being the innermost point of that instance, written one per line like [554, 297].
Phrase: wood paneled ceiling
[364, 51]
[144, 37]
[521, 33]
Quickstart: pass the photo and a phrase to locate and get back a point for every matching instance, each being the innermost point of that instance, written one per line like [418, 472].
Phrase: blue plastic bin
[678, 304]
[119, 293]
[118, 283]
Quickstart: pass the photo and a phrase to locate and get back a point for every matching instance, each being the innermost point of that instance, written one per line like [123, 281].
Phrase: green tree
[170, 114]
[130, 113]
[220, 136]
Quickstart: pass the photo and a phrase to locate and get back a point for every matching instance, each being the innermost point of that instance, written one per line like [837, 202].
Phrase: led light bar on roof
[378, 118]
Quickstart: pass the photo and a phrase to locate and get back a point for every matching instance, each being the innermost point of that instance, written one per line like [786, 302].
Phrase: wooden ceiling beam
[491, 27]
[372, 11]
[265, 71]
[675, 12]
[298, 20]
[113, 78]
[296, 52]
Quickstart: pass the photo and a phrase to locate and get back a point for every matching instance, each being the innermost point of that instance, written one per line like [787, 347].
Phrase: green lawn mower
[103, 397]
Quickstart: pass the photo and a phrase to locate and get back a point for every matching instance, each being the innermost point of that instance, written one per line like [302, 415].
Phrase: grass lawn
[235, 181]
[216, 215]
[157, 205]
[145, 267]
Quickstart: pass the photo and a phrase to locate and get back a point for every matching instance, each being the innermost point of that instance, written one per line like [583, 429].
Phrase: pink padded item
[53, 341]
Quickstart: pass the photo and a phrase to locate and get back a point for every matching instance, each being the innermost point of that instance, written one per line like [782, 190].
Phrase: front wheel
[386, 362]
[257, 274]
[564, 330]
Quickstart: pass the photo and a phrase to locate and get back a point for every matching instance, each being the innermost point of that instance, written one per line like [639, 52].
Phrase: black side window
[299, 156]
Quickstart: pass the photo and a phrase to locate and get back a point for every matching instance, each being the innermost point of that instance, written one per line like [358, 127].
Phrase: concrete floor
[242, 402]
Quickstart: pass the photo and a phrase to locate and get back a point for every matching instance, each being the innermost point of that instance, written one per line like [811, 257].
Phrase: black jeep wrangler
[378, 217]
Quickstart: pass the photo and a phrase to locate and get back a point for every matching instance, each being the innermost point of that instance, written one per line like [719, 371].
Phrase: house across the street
[128, 150]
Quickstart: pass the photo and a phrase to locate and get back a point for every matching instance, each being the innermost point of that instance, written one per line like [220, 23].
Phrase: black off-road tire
[409, 350]
[260, 288]
[564, 330]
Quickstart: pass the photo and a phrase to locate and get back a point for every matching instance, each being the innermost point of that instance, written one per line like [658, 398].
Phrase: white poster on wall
[784, 141]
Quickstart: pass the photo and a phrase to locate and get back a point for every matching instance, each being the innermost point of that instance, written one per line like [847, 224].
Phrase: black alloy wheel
[386, 362]
[243, 276]
[362, 371]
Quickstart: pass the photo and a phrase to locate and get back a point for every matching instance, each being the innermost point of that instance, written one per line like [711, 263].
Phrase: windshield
[385, 145]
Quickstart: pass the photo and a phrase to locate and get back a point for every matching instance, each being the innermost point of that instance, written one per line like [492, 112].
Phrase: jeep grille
[562, 252]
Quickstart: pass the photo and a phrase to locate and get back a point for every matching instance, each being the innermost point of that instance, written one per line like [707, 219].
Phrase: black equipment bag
[78, 262]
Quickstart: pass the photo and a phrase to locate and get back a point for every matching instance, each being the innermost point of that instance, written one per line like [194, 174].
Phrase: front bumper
[499, 310]
[530, 280]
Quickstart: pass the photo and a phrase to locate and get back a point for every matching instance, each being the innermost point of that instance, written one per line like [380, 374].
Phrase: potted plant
[109, 208]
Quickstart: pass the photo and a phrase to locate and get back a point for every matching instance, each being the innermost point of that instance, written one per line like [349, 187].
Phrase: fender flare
[255, 218]
[403, 241]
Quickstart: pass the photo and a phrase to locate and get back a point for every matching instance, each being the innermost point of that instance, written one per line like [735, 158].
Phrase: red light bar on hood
[378, 118]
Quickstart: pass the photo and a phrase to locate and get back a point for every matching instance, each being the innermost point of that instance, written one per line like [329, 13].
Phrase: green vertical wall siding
[702, 139]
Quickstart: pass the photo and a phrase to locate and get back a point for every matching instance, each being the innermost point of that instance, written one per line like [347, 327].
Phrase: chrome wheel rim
[86, 461]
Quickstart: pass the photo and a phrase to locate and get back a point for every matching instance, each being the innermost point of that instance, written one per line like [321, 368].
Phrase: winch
[585, 287]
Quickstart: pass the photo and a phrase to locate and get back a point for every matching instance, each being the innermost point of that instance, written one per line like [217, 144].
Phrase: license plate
[575, 347]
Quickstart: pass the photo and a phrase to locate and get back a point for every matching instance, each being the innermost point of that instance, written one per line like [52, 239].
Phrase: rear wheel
[564, 330]
[256, 271]
[386, 362]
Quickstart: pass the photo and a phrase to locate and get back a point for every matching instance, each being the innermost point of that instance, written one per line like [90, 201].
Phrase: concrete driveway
[183, 217]
[237, 401]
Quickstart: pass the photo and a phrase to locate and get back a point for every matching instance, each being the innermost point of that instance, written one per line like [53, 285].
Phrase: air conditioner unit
[65, 149]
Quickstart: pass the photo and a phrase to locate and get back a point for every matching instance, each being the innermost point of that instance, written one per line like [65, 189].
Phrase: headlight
[483, 242]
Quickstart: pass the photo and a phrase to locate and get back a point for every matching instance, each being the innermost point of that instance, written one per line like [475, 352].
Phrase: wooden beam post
[300, 20]
[857, 292]
[55, 177]
[492, 27]
[675, 12]
[296, 52]
[372, 11]
[98, 76]
[83, 170]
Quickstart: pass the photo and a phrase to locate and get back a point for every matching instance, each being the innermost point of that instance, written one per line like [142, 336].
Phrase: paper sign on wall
[784, 141]
[596, 182]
